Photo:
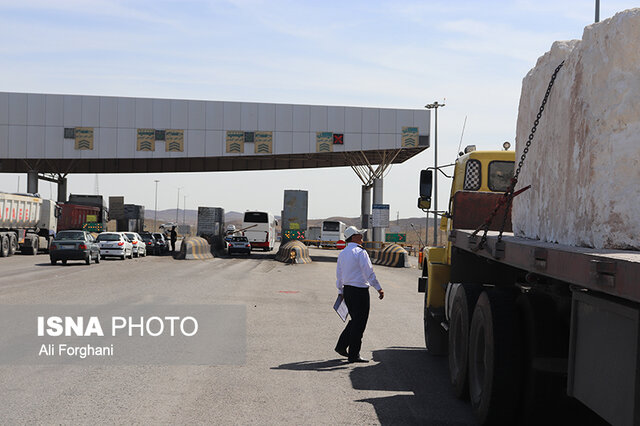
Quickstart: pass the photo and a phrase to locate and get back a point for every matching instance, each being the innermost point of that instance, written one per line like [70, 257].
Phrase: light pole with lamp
[178, 204]
[435, 106]
[155, 211]
[184, 209]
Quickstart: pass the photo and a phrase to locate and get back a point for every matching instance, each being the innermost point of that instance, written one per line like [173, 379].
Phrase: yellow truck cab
[474, 171]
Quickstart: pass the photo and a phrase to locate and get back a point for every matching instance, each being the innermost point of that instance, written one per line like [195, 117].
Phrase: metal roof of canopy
[39, 132]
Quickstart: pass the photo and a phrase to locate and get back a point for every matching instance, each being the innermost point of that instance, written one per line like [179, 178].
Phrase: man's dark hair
[350, 238]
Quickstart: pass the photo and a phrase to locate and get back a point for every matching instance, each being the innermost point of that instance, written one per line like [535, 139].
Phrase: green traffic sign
[395, 238]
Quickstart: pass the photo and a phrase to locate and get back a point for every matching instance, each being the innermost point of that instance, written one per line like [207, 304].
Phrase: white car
[115, 244]
[139, 246]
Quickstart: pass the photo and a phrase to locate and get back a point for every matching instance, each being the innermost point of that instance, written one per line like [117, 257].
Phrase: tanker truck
[27, 223]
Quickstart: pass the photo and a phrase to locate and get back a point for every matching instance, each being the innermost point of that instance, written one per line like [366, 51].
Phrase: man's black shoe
[359, 359]
[342, 352]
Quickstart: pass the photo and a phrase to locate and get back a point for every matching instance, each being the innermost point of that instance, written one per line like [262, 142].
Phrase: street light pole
[597, 10]
[178, 205]
[155, 211]
[184, 209]
[435, 106]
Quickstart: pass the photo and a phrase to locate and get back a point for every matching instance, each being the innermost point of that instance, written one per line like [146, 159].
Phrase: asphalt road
[290, 375]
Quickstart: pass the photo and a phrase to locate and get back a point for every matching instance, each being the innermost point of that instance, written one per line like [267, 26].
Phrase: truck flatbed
[614, 272]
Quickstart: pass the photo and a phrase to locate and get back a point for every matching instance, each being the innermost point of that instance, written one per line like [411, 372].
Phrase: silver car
[139, 246]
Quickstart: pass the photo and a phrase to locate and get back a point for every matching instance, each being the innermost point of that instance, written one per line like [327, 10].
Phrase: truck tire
[13, 244]
[4, 246]
[495, 358]
[462, 306]
[435, 337]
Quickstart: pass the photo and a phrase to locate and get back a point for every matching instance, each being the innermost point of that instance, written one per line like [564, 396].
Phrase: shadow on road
[411, 370]
[326, 259]
[331, 365]
[421, 381]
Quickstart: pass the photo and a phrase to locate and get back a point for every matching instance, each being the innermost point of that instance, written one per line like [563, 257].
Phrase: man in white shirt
[355, 275]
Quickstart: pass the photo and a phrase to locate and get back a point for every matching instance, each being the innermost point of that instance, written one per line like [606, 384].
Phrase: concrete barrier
[298, 248]
[391, 255]
[194, 248]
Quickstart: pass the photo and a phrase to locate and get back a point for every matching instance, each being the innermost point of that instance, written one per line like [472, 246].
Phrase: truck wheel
[13, 244]
[435, 337]
[4, 246]
[53, 261]
[462, 306]
[495, 358]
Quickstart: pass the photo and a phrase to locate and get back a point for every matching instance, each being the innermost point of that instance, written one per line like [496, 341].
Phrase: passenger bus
[332, 231]
[260, 229]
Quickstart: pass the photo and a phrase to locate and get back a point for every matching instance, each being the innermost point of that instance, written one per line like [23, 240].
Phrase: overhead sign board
[380, 215]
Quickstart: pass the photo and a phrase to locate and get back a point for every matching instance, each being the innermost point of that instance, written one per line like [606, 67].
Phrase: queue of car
[81, 245]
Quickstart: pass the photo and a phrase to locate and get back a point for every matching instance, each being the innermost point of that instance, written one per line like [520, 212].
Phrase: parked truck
[313, 235]
[211, 226]
[93, 201]
[529, 327]
[27, 223]
[73, 216]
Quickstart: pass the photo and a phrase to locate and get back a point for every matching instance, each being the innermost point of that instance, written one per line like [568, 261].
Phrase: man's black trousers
[357, 300]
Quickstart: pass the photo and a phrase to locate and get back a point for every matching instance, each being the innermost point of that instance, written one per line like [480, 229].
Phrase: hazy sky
[397, 54]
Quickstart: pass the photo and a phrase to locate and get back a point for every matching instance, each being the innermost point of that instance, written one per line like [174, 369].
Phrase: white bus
[332, 231]
[260, 229]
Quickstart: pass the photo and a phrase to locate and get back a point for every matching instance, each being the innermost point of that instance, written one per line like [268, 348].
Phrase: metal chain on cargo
[507, 198]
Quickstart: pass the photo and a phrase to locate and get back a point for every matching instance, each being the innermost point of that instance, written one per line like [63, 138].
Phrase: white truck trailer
[27, 223]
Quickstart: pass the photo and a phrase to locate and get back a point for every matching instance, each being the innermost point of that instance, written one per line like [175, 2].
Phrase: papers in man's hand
[341, 308]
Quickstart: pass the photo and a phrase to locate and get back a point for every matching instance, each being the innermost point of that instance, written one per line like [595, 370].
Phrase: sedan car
[74, 245]
[115, 244]
[162, 243]
[139, 247]
[149, 242]
[239, 245]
